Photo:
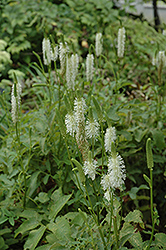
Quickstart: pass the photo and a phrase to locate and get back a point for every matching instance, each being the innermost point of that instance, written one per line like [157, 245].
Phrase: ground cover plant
[82, 154]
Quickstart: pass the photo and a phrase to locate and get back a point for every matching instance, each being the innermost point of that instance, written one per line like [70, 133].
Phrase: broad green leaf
[133, 192]
[59, 200]
[159, 139]
[126, 230]
[160, 240]
[44, 247]
[3, 219]
[135, 239]
[27, 225]
[61, 229]
[75, 218]
[135, 216]
[42, 197]
[126, 134]
[32, 183]
[34, 238]
[5, 231]
[3, 246]
[139, 134]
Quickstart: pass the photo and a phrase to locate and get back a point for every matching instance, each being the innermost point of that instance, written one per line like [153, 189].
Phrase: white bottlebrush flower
[107, 195]
[15, 102]
[89, 67]
[79, 109]
[74, 62]
[92, 129]
[54, 53]
[47, 51]
[105, 182]
[89, 168]
[116, 171]
[14, 106]
[98, 44]
[164, 32]
[110, 136]
[71, 70]
[154, 63]
[68, 72]
[70, 123]
[161, 59]
[121, 42]
[19, 90]
[63, 51]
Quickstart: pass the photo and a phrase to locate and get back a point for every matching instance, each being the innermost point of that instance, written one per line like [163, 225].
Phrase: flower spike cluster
[49, 53]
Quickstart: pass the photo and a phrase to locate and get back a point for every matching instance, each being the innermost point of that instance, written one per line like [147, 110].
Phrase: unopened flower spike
[121, 42]
[90, 166]
[98, 44]
[149, 154]
[92, 126]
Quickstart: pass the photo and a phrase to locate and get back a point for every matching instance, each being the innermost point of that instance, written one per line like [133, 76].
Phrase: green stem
[116, 232]
[111, 215]
[97, 200]
[151, 208]
[96, 220]
[102, 141]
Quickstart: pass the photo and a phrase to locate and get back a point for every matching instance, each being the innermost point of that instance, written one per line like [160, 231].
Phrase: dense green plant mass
[82, 135]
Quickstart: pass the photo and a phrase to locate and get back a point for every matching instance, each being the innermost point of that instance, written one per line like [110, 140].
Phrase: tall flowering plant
[85, 129]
